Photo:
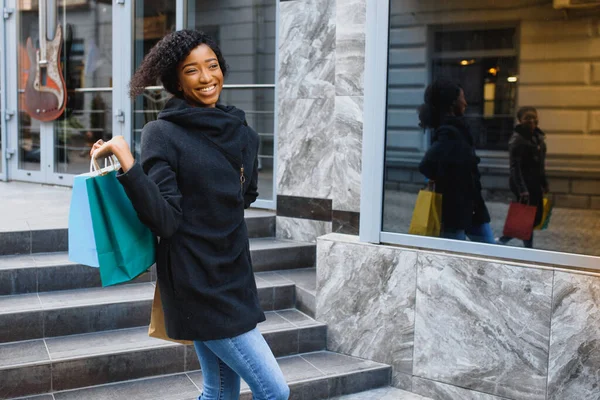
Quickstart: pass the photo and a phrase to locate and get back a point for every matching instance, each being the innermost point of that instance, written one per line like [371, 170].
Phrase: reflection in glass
[529, 117]
[29, 152]
[153, 20]
[75, 134]
[87, 62]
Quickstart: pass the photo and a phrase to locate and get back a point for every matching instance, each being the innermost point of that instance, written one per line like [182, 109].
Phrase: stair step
[386, 393]
[60, 313]
[29, 238]
[53, 271]
[311, 376]
[70, 362]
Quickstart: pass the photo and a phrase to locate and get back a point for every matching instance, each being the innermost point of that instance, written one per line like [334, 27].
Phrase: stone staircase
[63, 336]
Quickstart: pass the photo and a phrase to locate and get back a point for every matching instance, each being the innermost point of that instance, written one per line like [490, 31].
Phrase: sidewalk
[31, 206]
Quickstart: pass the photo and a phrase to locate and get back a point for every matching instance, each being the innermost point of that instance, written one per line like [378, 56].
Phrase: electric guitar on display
[45, 91]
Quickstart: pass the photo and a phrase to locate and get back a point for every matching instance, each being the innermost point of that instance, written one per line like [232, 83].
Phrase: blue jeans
[479, 233]
[248, 356]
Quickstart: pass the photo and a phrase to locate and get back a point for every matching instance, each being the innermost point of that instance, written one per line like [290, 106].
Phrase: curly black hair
[439, 100]
[162, 61]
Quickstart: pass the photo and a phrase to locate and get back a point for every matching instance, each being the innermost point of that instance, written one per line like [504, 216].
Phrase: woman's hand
[524, 197]
[117, 146]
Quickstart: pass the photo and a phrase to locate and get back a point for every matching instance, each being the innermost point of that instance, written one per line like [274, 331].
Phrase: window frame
[373, 164]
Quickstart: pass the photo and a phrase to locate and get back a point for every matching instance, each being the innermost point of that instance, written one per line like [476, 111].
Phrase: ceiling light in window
[512, 79]
[467, 62]
[493, 71]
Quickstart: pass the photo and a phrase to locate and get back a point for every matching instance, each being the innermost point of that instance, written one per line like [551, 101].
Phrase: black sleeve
[251, 192]
[515, 152]
[152, 186]
[429, 164]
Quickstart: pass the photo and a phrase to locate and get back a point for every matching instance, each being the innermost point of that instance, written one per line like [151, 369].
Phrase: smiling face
[530, 120]
[200, 77]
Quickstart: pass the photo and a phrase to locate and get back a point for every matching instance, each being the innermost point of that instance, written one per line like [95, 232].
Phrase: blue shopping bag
[82, 244]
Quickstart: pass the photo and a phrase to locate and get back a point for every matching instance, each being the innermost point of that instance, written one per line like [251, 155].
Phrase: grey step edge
[52, 271]
[59, 364]
[305, 376]
[259, 223]
[52, 314]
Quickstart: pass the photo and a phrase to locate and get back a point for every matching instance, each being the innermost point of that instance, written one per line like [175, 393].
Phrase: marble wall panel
[347, 166]
[574, 371]
[441, 391]
[305, 148]
[350, 47]
[366, 295]
[483, 326]
[307, 49]
[304, 230]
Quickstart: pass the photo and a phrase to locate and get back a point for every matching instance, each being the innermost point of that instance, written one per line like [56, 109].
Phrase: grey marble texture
[304, 230]
[307, 49]
[305, 147]
[441, 391]
[350, 47]
[347, 166]
[483, 326]
[574, 371]
[366, 296]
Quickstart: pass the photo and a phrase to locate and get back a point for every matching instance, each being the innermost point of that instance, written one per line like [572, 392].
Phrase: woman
[198, 172]
[451, 162]
[527, 153]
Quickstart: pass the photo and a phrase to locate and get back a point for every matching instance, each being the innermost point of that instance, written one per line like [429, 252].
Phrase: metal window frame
[3, 98]
[373, 162]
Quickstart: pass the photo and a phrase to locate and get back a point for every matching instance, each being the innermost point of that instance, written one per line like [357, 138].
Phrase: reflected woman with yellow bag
[452, 163]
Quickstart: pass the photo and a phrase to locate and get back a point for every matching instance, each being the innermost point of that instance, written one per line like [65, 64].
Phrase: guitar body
[45, 91]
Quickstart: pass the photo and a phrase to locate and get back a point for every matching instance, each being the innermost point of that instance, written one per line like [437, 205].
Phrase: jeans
[247, 356]
[479, 233]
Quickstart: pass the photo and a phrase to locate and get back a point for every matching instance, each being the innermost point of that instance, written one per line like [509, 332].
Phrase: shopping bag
[157, 321]
[548, 206]
[519, 221]
[82, 244]
[125, 246]
[427, 215]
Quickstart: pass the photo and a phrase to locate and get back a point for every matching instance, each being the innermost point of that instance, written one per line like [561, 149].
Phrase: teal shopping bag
[125, 246]
[82, 244]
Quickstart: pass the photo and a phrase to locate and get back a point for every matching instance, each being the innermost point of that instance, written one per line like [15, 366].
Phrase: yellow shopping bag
[157, 321]
[546, 215]
[427, 215]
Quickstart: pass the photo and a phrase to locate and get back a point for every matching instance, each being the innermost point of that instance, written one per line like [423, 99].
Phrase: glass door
[78, 45]
[3, 153]
[87, 65]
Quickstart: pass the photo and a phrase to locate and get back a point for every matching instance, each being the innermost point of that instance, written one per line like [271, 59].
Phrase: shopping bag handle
[95, 167]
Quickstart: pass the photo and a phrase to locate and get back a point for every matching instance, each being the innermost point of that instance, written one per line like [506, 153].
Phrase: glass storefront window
[153, 20]
[87, 62]
[29, 151]
[490, 114]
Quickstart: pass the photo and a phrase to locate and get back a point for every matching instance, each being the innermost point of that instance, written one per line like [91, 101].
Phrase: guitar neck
[43, 61]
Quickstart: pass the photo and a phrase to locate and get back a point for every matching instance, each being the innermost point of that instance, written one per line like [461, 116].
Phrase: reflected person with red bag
[527, 152]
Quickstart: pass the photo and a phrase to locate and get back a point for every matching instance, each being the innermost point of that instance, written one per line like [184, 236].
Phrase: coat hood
[453, 128]
[224, 126]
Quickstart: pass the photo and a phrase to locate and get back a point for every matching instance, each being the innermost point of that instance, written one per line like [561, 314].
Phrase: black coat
[527, 151]
[451, 162]
[188, 191]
